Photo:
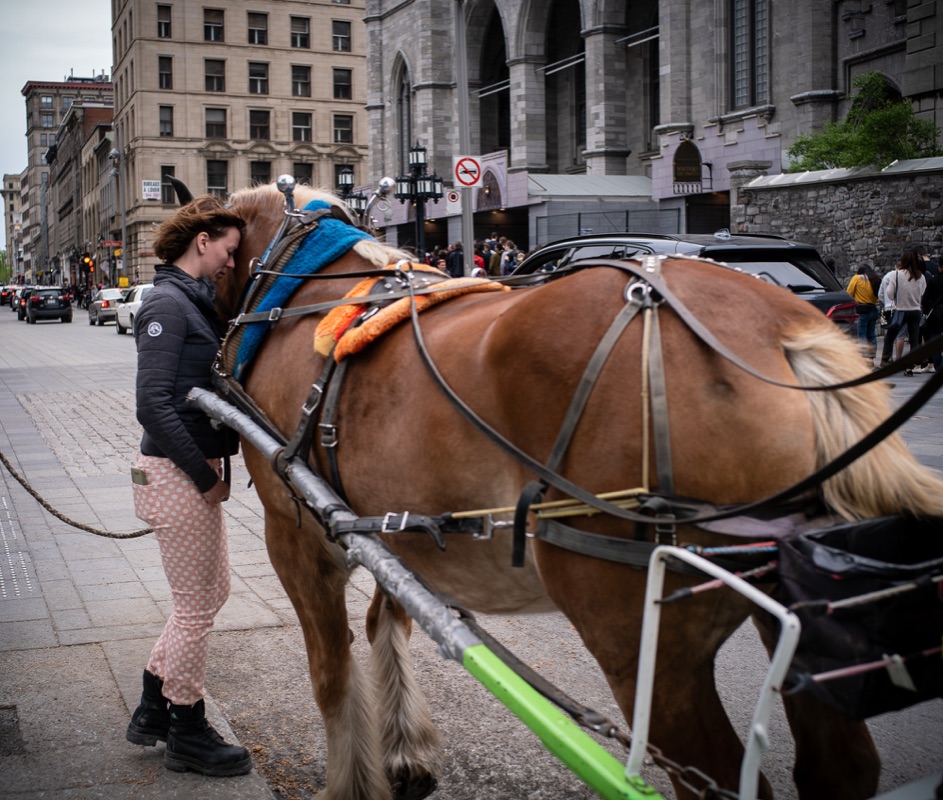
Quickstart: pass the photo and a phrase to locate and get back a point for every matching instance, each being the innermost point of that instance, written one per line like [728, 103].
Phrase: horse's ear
[184, 195]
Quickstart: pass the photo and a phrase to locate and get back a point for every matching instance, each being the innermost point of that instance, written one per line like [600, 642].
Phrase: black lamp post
[357, 203]
[418, 187]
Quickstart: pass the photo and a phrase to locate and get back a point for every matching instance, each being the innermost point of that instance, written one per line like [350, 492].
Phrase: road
[67, 423]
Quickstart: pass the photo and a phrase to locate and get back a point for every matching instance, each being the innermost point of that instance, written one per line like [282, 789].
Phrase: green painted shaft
[601, 771]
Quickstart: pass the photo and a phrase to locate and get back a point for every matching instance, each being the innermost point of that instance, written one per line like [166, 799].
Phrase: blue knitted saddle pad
[323, 246]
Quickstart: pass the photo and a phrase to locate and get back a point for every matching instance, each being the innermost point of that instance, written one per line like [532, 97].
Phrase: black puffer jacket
[178, 334]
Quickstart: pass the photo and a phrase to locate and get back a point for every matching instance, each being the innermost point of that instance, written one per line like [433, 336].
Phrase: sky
[45, 40]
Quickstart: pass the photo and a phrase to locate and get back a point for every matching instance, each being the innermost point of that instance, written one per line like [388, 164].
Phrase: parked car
[23, 300]
[124, 320]
[104, 306]
[48, 302]
[792, 265]
[6, 294]
[15, 298]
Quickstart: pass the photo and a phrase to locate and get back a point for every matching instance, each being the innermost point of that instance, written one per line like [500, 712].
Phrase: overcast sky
[45, 40]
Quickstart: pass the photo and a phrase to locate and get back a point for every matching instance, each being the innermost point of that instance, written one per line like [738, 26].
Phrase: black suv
[792, 265]
[48, 302]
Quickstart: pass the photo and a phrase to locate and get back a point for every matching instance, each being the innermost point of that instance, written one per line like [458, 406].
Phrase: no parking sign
[466, 171]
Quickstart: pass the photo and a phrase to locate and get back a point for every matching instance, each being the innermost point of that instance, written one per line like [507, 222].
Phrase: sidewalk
[79, 613]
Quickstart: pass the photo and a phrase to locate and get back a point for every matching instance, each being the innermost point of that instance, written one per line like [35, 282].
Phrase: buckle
[274, 315]
[387, 527]
[328, 434]
[309, 408]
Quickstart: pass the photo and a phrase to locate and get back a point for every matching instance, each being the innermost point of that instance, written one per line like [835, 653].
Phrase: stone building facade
[229, 96]
[47, 104]
[680, 93]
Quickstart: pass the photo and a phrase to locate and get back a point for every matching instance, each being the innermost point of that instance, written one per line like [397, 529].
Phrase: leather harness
[645, 292]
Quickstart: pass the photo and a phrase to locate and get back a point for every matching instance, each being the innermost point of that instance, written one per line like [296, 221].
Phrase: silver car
[103, 307]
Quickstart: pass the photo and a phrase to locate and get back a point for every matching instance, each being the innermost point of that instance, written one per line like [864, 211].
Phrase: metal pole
[461, 86]
[124, 210]
[420, 226]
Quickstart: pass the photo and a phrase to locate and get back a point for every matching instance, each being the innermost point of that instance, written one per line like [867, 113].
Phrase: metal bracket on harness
[391, 523]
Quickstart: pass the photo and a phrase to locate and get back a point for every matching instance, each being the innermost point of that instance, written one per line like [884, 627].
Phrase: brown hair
[910, 261]
[203, 214]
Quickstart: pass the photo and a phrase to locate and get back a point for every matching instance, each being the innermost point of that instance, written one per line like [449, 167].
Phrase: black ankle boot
[193, 744]
[151, 719]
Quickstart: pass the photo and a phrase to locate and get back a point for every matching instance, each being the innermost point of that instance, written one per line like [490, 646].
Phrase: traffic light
[89, 262]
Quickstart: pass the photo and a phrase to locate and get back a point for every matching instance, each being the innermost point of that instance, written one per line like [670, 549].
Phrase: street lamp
[418, 187]
[356, 202]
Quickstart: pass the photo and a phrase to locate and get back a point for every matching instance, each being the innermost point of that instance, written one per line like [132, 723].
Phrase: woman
[863, 290]
[905, 289]
[177, 483]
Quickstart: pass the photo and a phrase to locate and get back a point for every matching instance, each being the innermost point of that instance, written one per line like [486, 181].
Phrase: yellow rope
[646, 344]
[570, 507]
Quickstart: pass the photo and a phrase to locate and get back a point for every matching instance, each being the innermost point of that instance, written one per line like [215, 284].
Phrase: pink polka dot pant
[191, 534]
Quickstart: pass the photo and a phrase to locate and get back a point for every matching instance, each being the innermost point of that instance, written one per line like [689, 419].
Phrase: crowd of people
[907, 301]
[494, 256]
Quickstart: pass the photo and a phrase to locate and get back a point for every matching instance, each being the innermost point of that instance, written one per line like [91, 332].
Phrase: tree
[876, 131]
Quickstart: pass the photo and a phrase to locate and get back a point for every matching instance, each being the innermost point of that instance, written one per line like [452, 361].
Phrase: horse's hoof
[406, 788]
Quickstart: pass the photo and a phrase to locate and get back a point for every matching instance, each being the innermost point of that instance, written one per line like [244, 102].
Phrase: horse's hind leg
[835, 755]
[315, 577]
[408, 737]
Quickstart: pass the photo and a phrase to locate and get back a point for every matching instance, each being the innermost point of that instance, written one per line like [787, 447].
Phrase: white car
[127, 309]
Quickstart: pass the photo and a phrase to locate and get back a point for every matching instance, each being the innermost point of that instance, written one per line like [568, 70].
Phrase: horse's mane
[263, 204]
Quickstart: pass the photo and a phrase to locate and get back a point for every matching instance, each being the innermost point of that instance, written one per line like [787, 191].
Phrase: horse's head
[263, 209]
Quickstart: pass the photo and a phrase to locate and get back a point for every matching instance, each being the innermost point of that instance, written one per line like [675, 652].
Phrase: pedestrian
[455, 261]
[887, 313]
[178, 484]
[932, 305]
[863, 288]
[905, 289]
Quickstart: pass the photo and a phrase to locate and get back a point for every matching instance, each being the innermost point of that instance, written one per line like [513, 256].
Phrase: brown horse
[515, 358]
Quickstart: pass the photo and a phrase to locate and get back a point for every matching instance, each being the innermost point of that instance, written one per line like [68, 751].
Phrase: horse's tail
[887, 479]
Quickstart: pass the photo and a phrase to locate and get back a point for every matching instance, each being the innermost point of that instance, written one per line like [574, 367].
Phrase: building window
[340, 36]
[45, 101]
[216, 123]
[749, 53]
[304, 173]
[300, 81]
[165, 72]
[260, 172]
[166, 114]
[300, 32]
[213, 30]
[163, 22]
[259, 126]
[341, 2]
[342, 84]
[67, 102]
[258, 28]
[52, 139]
[215, 72]
[217, 178]
[258, 78]
[343, 129]
[45, 120]
[43, 140]
[167, 194]
[300, 127]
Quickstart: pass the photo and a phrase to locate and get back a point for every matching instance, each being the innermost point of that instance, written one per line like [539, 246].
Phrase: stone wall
[852, 216]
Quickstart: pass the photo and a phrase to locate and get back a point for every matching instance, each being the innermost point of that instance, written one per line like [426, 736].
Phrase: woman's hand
[218, 494]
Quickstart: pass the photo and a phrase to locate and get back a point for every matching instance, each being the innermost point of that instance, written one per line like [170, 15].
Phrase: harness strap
[300, 442]
[328, 425]
[658, 399]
